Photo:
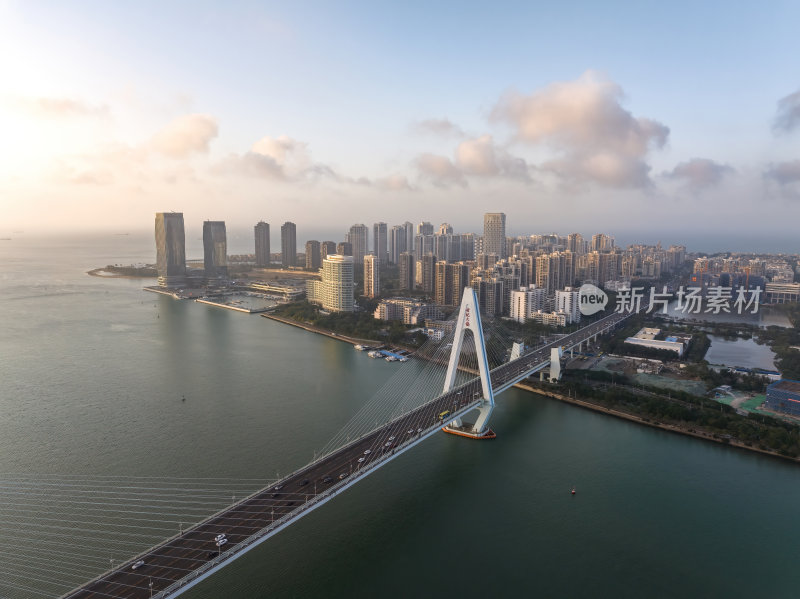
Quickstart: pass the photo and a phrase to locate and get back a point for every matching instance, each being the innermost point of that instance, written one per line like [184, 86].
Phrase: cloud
[58, 108]
[480, 156]
[289, 154]
[186, 135]
[394, 182]
[784, 173]
[250, 164]
[584, 121]
[443, 127]
[280, 159]
[440, 170]
[700, 172]
[787, 118]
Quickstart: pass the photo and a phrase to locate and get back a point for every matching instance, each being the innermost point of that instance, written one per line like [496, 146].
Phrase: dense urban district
[395, 290]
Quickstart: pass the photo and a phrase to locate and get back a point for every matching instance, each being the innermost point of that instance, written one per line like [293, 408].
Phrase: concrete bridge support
[469, 319]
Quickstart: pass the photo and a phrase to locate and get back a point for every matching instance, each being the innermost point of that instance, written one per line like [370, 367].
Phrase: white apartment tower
[337, 283]
[526, 301]
[568, 302]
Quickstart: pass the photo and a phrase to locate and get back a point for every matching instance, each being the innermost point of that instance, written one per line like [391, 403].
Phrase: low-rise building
[784, 396]
[646, 337]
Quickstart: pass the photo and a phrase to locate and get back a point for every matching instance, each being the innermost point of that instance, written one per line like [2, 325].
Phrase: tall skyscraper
[397, 243]
[445, 229]
[288, 244]
[262, 244]
[424, 228]
[326, 248]
[407, 270]
[575, 243]
[409, 236]
[602, 242]
[358, 236]
[344, 248]
[467, 246]
[379, 240]
[170, 249]
[568, 302]
[450, 282]
[428, 273]
[372, 276]
[494, 234]
[313, 261]
[215, 250]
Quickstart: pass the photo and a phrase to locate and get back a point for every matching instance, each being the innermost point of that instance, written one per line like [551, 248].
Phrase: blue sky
[566, 116]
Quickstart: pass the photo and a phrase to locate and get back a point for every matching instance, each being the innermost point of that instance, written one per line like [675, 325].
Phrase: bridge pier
[469, 319]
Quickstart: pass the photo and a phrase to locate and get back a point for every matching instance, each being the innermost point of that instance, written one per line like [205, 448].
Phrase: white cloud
[480, 156]
[186, 135]
[291, 155]
[584, 122]
[440, 170]
[700, 172]
[57, 108]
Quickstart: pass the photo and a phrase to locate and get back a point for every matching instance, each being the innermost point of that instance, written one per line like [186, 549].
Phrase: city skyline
[612, 123]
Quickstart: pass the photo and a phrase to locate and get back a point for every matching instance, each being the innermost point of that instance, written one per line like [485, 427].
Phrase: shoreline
[312, 329]
[96, 272]
[573, 400]
[673, 428]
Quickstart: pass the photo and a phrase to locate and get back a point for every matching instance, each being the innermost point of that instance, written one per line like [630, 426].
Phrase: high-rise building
[409, 236]
[313, 261]
[450, 282]
[424, 228]
[445, 229]
[288, 244]
[575, 243]
[358, 236]
[525, 301]
[467, 246]
[380, 241]
[170, 249]
[372, 276]
[215, 250]
[262, 244]
[490, 295]
[602, 242]
[326, 248]
[428, 273]
[337, 284]
[441, 246]
[397, 243]
[568, 302]
[344, 248]
[494, 234]
[424, 244]
[407, 270]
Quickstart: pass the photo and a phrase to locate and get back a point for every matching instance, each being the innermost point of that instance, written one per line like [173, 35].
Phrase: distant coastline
[692, 431]
[123, 272]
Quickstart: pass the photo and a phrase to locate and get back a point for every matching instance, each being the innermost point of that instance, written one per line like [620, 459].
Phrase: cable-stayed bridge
[457, 376]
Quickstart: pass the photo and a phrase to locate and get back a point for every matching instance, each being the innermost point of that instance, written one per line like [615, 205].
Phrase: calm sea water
[91, 375]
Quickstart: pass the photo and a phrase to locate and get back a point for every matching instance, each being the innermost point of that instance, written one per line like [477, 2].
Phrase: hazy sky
[566, 116]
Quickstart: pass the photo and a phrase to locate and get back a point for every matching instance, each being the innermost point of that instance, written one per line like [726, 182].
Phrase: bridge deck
[180, 562]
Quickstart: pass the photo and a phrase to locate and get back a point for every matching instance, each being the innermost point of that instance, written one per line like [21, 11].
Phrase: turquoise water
[92, 372]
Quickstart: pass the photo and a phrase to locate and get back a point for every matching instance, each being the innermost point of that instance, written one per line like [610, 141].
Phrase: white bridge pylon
[469, 319]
